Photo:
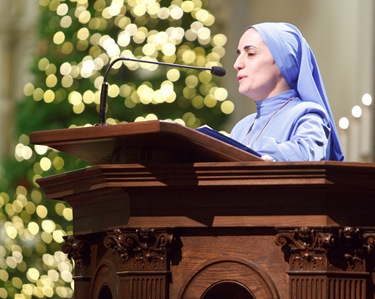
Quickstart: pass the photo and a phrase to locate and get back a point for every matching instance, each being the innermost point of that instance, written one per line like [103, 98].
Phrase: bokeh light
[344, 123]
[356, 111]
[367, 99]
[78, 40]
[109, 29]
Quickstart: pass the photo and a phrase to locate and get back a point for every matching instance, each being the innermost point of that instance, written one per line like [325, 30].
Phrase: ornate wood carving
[144, 249]
[78, 249]
[305, 248]
[369, 238]
[327, 249]
[323, 260]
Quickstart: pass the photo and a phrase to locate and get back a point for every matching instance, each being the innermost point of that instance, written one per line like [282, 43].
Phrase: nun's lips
[240, 78]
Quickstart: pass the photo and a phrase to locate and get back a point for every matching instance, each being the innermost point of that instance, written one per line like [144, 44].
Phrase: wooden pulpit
[167, 212]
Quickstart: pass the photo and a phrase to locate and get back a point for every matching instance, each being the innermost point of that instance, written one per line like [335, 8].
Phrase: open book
[215, 134]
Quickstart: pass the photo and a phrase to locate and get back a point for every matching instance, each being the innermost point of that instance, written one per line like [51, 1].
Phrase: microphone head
[218, 71]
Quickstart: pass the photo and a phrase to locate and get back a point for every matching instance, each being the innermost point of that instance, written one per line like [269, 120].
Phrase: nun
[276, 68]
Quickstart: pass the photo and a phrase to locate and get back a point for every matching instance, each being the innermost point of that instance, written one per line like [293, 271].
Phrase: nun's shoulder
[304, 107]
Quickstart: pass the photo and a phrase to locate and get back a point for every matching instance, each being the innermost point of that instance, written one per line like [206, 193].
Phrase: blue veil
[298, 66]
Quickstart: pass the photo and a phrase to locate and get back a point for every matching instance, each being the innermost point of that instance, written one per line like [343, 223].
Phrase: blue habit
[298, 131]
[296, 125]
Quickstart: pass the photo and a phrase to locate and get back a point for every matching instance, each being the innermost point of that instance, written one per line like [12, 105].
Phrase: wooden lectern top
[140, 142]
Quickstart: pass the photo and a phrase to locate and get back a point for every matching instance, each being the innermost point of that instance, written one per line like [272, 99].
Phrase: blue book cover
[215, 134]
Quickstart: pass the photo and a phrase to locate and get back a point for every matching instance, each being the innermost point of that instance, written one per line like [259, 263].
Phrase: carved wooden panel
[144, 286]
[144, 249]
[329, 262]
[124, 262]
[78, 249]
[233, 277]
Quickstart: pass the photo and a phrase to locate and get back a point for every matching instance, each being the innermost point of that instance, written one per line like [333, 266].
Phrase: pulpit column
[328, 262]
[122, 263]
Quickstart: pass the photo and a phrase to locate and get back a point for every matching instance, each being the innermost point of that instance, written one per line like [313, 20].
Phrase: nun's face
[258, 75]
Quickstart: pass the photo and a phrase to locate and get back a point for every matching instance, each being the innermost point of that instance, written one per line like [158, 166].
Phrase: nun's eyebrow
[246, 48]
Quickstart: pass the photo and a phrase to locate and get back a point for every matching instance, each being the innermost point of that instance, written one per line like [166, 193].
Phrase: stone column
[18, 21]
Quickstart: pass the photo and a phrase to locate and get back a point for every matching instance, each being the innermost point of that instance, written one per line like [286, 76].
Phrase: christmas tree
[78, 39]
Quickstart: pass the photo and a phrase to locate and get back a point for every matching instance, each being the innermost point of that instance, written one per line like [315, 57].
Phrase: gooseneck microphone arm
[215, 70]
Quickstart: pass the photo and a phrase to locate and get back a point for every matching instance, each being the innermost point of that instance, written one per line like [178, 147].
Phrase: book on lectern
[216, 134]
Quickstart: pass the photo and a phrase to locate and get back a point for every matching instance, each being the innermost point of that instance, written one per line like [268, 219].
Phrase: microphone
[215, 70]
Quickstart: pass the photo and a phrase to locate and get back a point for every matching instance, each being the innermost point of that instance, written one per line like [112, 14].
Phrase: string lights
[78, 39]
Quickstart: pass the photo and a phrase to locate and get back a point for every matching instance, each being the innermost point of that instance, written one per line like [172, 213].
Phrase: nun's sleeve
[309, 141]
